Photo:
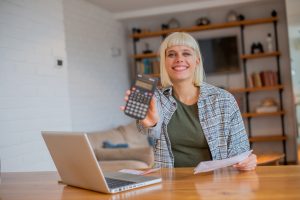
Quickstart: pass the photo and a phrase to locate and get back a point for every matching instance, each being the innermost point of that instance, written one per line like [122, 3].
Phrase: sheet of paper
[207, 166]
[138, 172]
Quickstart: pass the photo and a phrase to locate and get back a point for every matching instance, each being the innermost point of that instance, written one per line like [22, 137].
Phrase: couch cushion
[113, 135]
[133, 137]
[116, 165]
[144, 154]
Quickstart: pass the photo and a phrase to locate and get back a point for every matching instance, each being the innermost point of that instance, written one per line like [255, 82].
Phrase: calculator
[140, 96]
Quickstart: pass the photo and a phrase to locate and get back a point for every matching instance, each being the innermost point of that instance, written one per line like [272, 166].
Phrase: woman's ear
[197, 60]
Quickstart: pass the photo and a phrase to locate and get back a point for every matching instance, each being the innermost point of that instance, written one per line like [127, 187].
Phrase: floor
[298, 142]
[298, 153]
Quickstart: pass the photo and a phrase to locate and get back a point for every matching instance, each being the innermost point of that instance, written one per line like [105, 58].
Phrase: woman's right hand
[152, 116]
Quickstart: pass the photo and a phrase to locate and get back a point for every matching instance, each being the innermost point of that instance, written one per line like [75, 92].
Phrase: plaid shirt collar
[204, 91]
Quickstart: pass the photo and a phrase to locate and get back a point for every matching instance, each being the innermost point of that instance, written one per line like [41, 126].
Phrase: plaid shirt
[219, 116]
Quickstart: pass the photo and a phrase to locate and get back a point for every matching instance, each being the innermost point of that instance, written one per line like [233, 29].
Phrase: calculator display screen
[144, 85]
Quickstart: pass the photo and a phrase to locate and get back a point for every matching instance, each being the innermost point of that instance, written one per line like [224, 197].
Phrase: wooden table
[267, 182]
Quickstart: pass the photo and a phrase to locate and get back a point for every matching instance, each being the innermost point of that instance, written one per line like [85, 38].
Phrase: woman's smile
[180, 68]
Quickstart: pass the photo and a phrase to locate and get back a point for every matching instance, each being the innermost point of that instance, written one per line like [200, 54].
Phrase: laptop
[77, 165]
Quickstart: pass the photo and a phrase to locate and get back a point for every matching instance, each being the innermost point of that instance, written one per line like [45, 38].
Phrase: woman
[192, 121]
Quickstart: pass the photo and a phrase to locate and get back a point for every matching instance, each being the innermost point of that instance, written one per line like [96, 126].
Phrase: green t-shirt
[189, 145]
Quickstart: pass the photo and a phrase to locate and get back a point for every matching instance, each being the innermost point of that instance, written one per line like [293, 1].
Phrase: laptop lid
[77, 165]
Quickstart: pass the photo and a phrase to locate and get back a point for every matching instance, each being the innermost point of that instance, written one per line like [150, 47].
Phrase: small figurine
[260, 47]
[232, 16]
[257, 48]
[273, 13]
[164, 26]
[147, 49]
[269, 40]
[136, 30]
[173, 23]
[241, 17]
[202, 21]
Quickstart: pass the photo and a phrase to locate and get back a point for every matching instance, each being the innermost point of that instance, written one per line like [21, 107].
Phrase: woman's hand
[152, 116]
[247, 164]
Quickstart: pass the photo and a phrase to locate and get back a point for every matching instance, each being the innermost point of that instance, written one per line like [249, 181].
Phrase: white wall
[33, 92]
[85, 94]
[293, 17]
[260, 126]
[97, 79]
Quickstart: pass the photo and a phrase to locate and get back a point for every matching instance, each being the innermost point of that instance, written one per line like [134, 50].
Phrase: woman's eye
[187, 54]
[171, 55]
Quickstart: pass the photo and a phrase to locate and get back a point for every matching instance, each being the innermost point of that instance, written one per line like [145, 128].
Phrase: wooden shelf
[255, 89]
[152, 75]
[265, 114]
[147, 55]
[270, 138]
[244, 56]
[260, 55]
[205, 27]
[269, 158]
[259, 21]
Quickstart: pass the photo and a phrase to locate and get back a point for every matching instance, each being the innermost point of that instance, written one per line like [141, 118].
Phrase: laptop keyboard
[115, 183]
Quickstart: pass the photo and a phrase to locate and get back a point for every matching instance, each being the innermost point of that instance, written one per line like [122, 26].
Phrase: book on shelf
[263, 78]
[155, 67]
[257, 82]
[148, 66]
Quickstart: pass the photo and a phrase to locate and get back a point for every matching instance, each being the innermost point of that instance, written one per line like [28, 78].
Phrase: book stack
[263, 78]
[148, 66]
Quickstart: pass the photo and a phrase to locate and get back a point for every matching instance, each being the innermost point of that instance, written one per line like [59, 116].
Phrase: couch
[138, 154]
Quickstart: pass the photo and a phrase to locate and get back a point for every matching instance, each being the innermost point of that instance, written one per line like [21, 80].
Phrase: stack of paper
[217, 164]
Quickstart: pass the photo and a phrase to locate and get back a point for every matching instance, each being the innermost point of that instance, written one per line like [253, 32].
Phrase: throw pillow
[108, 144]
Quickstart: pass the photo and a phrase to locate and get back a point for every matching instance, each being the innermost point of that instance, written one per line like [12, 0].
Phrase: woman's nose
[179, 58]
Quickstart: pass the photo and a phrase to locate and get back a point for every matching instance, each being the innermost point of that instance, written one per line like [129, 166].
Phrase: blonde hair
[180, 38]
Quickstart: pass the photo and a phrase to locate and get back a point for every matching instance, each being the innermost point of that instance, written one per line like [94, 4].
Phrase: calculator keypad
[138, 103]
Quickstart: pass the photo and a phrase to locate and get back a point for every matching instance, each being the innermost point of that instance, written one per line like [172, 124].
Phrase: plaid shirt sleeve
[238, 139]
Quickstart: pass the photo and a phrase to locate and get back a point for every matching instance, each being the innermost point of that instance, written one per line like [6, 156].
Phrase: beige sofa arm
[144, 154]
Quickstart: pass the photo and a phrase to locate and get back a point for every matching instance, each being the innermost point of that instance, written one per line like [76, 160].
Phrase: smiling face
[180, 63]
[183, 50]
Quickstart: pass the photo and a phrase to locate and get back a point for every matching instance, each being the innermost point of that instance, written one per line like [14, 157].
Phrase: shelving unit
[246, 90]
[280, 137]
[256, 89]
[205, 27]
[260, 55]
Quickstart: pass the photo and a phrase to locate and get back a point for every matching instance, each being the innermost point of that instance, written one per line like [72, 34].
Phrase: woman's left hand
[247, 164]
